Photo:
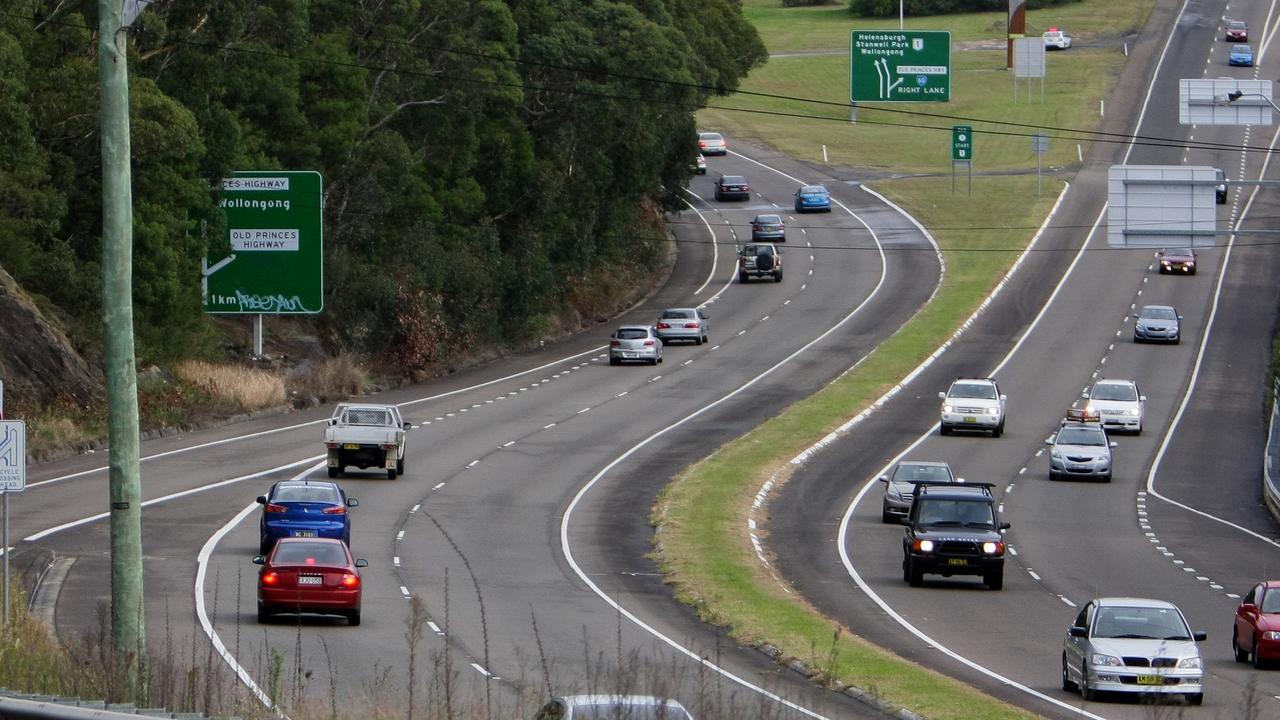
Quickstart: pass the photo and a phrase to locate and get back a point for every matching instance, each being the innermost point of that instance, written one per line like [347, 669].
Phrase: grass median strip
[704, 546]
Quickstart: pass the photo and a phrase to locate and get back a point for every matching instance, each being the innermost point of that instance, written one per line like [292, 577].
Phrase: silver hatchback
[683, 324]
[635, 343]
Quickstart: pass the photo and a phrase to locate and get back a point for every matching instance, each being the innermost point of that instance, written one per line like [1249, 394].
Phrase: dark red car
[1177, 260]
[309, 575]
[1256, 635]
[1237, 31]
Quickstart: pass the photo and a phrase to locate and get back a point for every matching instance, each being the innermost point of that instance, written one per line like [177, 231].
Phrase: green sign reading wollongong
[275, 225]
[900, 66]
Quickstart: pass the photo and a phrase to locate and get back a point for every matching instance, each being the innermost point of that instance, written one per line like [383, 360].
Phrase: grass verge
[702, 514]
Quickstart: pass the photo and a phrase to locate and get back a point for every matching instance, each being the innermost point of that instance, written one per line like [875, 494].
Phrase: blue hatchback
[813, 197]
[1241, 55]
[305, 509]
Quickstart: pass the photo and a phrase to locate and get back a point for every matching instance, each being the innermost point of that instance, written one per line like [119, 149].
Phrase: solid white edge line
[202, 564]
[848, 514]
[715, 245]
[1195, 372]
[564, 522]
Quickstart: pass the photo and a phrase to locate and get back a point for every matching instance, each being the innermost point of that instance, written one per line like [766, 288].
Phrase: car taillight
[389, 446]
[693, 325]
[332, 446]
[746, 188]
[271, 578]
[274, 508]
[350, 581]
[648, 343]
[702, 144]
[337, 509]
[781, 226]
[615, 343]
[664, 326]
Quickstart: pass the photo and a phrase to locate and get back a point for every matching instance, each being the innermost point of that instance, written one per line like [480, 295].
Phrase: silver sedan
[635, 343]
[1132, 645]
[900, 485]
[683, 324]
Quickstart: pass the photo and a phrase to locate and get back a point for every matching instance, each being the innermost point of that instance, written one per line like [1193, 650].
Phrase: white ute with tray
[366, 436]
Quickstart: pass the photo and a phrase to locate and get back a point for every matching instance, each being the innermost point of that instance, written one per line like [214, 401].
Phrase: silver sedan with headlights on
[900, 485]
[1132, 645]
[635, 343]
[1118, 404]
[1157, 323]
[1080, 449]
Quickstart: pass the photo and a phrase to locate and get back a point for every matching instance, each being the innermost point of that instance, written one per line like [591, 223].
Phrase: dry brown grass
[245, 388]
[332, 379]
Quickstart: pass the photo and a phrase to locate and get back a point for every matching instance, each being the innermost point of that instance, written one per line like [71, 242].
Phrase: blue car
[813, 197]
[304, 509]
[1241, 55]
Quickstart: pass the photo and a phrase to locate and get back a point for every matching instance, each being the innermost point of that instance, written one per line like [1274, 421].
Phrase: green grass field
[702, 515]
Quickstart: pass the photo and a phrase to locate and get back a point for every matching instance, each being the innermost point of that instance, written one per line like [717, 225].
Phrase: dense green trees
[484, 161]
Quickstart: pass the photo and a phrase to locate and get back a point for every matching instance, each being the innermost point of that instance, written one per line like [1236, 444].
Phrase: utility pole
[127, 629]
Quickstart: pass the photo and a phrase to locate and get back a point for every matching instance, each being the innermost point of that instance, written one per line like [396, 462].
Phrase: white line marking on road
[438, 486]
[395, 561]
[473, 463]
[400, 535]
[1065, 600]
[624, 392]
[508, 443]
[585, 409]
[742, 332]
[435, 628]
[480, 669]
[414, 509]
[1033, 574]
[766, 317]
[786, 302]
[1012, 551]
[404, 591]
[548, 426]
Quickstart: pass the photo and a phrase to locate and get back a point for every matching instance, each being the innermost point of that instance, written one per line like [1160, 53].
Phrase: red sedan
[309, 575]
[1256, 634]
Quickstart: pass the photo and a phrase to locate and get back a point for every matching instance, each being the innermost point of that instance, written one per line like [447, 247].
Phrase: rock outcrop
[38, 365]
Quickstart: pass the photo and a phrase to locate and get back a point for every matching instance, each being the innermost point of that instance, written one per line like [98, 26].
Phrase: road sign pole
[1, 399]
[257, 336]
[6, 557]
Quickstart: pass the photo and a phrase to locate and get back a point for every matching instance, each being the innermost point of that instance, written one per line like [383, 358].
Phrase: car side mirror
[1200, 635]
[959, 480]
[1004, 398]
[1114, 444]
[407, 425]
[261, 499]
[942, 395]
[884, 479]
[1084, 394]
[1142, 398]
[1049, 440]
[1248, 608]
[333, 421]
[1179, 317]
[352, 502]
[1005, 526]
[1078, 631]
[362, 563]
[905, 520]
[259, 559]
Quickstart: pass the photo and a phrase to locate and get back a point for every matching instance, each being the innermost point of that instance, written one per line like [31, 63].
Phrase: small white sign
[13, 456]
[277, 240]
[251, 184]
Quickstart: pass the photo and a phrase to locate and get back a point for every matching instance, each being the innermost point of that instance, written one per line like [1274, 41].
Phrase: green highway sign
[900, 66]
[275, 224]
[961, 142]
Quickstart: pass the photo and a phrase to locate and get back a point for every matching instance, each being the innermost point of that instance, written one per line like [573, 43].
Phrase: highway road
[1183, 518]
[515, 547]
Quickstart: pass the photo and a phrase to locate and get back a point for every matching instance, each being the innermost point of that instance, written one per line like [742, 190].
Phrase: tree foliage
[483, 159]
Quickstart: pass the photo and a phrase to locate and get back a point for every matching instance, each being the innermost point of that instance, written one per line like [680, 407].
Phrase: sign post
[961, 152]
[13, 478]
[1039, 144]
[900, 66]
[275, 226]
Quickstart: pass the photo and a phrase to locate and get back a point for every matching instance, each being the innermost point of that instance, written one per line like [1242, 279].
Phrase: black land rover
[953, 530]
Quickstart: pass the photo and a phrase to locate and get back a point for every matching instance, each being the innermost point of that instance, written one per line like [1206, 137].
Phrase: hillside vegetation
[487, 164]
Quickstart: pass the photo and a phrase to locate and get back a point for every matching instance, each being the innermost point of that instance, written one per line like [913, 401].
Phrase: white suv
[1118, 403]
[972, 404]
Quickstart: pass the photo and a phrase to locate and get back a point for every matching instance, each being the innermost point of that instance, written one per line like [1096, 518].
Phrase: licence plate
[351, 446]
[1150, 680]
[304, 533]
[310, 580]
[628, 355]
[971, 419]
[957, 561]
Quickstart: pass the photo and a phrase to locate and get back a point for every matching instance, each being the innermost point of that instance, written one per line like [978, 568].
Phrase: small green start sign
[275, 228]
[961, 142]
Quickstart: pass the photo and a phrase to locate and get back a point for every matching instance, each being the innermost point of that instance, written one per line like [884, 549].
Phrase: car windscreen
[1159, 314]
[921, 473]
[1118, 393]
[306, 493]
[310, 553]
[768, 219]
[676, 314]
[710, 136]
[981, 391]
[1244, 49]
[1271, 601]
[1140, 623]
[960, 513]
[632, 334]
[813, 190]
[1178, 252]
[1081, 436]
[732, 180]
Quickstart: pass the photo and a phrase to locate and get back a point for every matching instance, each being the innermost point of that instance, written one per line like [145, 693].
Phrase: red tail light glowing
[693, 325]
[271, 578]
[332, 446]
[663, 326]
[337, 509]
[274, 508]
[648, 343]
[350, 581]
[615, 343]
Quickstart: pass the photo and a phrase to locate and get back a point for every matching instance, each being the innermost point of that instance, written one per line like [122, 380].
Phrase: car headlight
[924, 545]
[1100, 660]
[1055, 454]
[1133, 412]
[948, 409]
[992, 548]
[993, 411]
[1089, 409]
[1192, 663]
[1271, 635]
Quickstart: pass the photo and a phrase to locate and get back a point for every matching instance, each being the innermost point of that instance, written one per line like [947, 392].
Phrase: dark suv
[953, 529]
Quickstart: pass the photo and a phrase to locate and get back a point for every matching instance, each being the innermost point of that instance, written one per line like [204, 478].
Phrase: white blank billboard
[1161, 206]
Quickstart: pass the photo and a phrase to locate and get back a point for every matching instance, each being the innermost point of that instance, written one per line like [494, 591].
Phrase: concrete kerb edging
[1270, 493]
[766, 489]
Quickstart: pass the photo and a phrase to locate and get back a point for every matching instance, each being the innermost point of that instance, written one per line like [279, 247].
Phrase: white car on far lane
[1056, 39]
[1119, 404]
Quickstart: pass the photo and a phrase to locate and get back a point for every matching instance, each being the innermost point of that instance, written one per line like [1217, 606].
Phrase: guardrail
[1271, 458]
[24, 706]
